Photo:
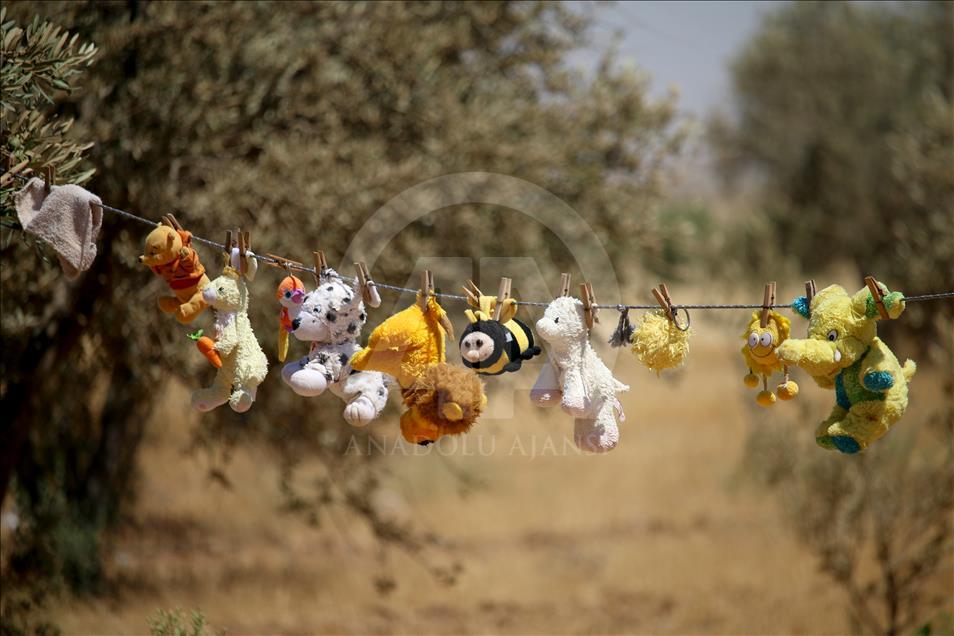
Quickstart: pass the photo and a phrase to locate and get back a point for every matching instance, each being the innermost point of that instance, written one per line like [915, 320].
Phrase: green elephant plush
[843, 352]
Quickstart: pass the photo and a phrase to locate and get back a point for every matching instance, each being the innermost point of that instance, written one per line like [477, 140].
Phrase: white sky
[685, 44]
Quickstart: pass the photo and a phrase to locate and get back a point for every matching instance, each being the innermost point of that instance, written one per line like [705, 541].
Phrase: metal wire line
[533, 303]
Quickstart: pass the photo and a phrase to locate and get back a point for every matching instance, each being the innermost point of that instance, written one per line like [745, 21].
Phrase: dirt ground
[654, 538]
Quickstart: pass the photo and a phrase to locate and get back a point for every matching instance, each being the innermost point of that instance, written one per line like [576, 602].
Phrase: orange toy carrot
[206, 346]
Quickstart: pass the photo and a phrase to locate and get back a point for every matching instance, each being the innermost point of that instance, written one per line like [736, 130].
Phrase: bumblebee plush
[493, 347]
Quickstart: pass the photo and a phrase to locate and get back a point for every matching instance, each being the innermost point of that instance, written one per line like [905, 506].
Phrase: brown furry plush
[445, 400]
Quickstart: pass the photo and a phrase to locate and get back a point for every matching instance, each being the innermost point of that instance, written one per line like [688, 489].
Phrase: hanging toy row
[842, 351]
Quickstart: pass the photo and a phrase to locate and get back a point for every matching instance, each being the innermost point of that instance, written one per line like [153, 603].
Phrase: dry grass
[651, 538]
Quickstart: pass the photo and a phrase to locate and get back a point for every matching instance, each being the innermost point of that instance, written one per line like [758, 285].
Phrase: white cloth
[65, 218]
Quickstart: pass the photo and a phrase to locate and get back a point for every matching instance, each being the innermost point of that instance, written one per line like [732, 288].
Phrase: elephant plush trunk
[817, 357]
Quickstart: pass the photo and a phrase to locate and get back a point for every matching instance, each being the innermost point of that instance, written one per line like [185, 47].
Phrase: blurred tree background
[843, 125]
[298, 123]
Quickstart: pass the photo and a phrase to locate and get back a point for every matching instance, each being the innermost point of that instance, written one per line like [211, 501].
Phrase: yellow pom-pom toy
[761, 359]
[659, 343]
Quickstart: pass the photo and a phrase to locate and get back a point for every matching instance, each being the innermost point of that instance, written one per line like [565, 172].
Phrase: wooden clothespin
[503, 293]
[171, 221]
[13, 170]
[564, 284]
[768, 299]
[281, 262]
[810, 292]
[589, 304]
[49, 175]
[369, 291]
[662, 297]
[321, 263]
[665, 301]
[473, 294]
[427, 288]
[878, 296]
[174, 222]
[242, 246]
[228, 245]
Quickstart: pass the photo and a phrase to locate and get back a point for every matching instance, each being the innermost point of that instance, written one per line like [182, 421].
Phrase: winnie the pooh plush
[169, 254]
[244, 364]
[843, 352]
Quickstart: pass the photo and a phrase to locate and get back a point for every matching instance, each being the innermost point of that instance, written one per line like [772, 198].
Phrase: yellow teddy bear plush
[843, 352]
[759, 352]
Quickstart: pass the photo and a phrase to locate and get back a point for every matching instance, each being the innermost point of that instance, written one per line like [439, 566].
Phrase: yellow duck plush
[759, 352]
[843, 352]
[410, 345]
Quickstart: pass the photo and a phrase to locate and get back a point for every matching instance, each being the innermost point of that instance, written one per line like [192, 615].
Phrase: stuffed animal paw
[360, 411]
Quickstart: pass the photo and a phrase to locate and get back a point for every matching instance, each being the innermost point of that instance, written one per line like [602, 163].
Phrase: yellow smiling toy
[759, 353]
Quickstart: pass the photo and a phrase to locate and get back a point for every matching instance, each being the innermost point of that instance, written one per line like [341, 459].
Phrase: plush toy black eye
[832, 335]
[556, 320]
[287, 294]
[221, 289]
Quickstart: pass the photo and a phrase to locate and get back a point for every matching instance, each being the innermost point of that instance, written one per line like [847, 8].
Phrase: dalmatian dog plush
[330, 318]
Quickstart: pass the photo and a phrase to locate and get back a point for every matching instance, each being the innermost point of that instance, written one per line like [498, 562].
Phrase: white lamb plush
[244, 364]
[330, 318]
[575, 377]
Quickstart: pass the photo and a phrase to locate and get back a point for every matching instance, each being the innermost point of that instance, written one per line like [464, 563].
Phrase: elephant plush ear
[801, 306]
[864, 305]
[894, 303]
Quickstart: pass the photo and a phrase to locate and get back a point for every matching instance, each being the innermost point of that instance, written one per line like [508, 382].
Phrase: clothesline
[534, 303]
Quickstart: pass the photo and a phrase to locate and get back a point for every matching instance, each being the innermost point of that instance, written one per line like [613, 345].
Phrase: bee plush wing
[522, 332]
